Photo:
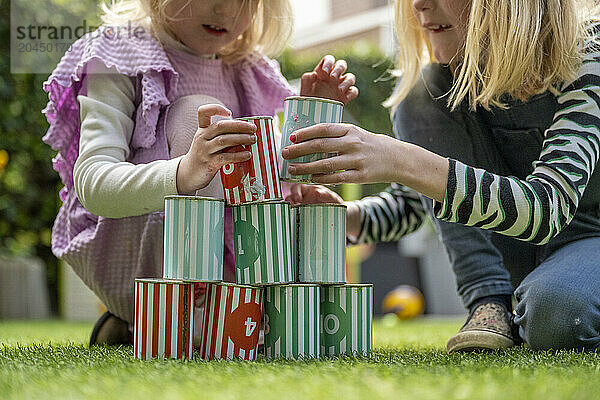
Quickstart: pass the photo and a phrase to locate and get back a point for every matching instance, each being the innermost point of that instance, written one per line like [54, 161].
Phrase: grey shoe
[110, 330]
[489, 327]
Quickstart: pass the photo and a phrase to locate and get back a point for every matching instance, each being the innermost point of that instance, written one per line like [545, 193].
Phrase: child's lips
[437, 28]
[214, 29]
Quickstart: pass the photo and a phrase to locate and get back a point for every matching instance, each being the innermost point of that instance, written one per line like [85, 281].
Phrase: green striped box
[193, 238]
[291, 321]
[300, 112]
[347, 320]
[321, 242]
[263, 249]
[294, 239]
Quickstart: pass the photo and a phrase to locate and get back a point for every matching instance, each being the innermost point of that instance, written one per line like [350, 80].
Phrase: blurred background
[34, 284]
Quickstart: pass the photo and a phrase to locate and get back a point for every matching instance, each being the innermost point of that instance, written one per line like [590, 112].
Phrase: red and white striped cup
[258, 178]
[164, 319]
[231, 323]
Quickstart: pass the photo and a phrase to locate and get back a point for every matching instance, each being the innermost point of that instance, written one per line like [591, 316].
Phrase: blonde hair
[520, 48]
[267, 34]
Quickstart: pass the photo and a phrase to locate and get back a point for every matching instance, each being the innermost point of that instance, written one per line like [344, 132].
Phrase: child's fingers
[325, 166]
[233, 157]
[314, 146]
[325, 130]
[339, 68]
[347, 176]
[229, 126]
[230, 140]
[314, 194]
[350, 94]
[323, 69]
[205, 112]
[295, 195]
[327, 196]
[307, 82]
[347, 80]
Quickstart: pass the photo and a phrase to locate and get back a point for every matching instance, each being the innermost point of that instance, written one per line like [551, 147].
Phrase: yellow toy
[405, 301]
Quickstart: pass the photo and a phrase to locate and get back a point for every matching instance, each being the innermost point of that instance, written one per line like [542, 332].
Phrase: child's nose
[421, 5]
[228, 7]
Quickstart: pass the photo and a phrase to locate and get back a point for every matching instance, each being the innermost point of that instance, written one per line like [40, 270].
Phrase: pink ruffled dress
[108, 254]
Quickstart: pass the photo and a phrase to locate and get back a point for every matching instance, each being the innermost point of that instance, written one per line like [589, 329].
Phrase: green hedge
[28, 185]
[373, 81]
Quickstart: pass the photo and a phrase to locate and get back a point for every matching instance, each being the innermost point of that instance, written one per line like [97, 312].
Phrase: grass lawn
[40, 360]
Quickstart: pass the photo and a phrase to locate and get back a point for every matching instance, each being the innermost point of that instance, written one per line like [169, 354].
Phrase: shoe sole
[469, 341]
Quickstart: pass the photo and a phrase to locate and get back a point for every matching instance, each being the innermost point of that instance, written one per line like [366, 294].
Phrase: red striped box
[164, 319]
[258, 178]
[231, 323]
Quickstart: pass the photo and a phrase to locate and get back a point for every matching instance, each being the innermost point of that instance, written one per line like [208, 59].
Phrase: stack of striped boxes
[344, 311]
[290, 268]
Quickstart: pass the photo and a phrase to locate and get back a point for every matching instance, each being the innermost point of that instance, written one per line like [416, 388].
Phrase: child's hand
[299, 193]
[329, 80]
[206, 155]
[361, 156]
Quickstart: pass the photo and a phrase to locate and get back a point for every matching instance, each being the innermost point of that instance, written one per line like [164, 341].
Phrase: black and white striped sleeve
[389, 215]
[537, 208]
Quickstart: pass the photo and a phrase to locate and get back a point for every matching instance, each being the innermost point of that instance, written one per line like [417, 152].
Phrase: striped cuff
[444, 210]
[360, 237]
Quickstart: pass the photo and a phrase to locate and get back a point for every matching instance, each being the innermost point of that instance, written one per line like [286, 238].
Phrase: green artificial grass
[41, 360]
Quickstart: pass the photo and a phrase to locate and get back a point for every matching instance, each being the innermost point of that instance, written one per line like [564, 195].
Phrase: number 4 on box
[250, 326]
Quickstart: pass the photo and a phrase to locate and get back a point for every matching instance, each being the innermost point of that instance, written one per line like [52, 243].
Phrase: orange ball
[405, 301]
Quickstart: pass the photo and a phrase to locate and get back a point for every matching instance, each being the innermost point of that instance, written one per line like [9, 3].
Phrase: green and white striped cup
[347, 320]
[291, 321]
[321, 242]
[263, 249]
[193, 238]
[294, 239]
[300, 112]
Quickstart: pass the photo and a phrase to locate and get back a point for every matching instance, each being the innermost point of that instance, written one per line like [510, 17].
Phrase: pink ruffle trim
[140, 58]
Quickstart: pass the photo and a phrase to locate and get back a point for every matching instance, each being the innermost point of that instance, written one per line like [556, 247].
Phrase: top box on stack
[257, 179]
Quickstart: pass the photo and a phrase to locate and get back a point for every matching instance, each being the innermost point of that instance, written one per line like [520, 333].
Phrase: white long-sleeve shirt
[105, 183]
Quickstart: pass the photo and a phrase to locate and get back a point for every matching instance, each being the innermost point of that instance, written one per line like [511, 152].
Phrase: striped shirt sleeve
[537, 208]
[389, 215]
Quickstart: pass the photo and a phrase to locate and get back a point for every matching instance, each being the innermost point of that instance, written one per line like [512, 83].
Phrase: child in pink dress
[130, 116]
